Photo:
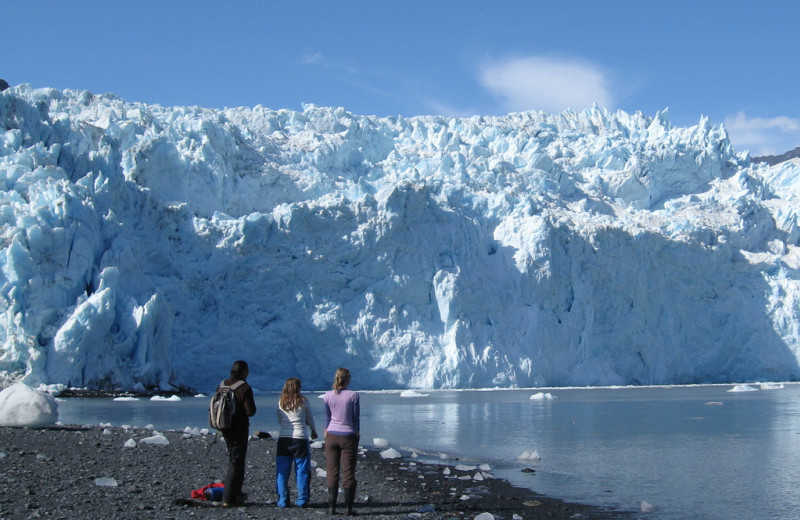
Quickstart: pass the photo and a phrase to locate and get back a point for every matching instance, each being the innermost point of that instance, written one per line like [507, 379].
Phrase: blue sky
[734, 61]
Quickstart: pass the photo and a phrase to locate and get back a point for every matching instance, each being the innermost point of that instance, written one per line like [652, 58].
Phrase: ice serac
[148, 247]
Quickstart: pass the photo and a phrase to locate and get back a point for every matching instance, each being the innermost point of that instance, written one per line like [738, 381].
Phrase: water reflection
[696, 452]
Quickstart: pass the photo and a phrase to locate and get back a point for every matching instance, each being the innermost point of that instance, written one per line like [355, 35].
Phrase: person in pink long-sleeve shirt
[342, 423]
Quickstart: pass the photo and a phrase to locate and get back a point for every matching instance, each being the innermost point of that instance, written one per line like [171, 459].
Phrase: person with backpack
[294, 414]
[342, 423]
[237, 434]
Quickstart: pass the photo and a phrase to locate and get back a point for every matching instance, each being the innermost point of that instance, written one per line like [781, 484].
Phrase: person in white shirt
[294, 415]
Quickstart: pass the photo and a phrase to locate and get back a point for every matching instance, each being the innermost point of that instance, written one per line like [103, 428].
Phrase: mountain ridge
[772, 160]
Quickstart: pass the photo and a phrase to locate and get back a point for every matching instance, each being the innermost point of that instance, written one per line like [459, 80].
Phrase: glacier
[146, 247]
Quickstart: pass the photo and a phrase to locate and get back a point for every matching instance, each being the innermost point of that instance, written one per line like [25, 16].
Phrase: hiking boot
[333, 494]
[349, 498]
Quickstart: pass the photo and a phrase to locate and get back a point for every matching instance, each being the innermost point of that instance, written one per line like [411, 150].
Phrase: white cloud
[445, 109]
[313, 58]
[763, 136]
[545, 83]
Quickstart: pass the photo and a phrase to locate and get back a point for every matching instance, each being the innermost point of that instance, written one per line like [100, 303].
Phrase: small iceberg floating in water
[542, 396]
[412, 393]
[529, 455]
[162, 398]
[743, 388]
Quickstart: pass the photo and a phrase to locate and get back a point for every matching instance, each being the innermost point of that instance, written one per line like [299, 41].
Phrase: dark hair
[239, 369]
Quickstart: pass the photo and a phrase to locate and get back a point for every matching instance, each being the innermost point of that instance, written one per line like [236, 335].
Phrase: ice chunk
[542, 396]
[155, 440]
[529, 455]
[391, 453]
[23, 406]
[379, 442]
[743, 388]
[105, 482]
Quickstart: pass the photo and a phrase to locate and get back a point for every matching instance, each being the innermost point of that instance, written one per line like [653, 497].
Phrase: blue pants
[293, 451]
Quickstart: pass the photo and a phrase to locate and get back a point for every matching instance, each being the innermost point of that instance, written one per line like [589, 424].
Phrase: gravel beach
[80, 472]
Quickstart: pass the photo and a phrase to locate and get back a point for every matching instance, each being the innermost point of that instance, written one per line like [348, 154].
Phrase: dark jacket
[245, 404]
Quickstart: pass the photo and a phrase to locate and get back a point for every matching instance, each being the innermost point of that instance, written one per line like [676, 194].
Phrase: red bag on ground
[212, 491]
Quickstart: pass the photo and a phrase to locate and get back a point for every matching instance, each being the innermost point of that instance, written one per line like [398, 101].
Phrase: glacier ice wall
[148, 247]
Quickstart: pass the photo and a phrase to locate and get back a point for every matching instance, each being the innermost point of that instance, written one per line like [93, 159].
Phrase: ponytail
[341, 380]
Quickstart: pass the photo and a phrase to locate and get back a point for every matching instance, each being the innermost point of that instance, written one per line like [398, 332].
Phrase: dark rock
[156, 482]
[772, 160]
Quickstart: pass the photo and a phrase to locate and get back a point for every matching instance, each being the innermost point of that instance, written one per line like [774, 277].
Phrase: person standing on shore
[237, 435]
[294, 413]
[342, 424]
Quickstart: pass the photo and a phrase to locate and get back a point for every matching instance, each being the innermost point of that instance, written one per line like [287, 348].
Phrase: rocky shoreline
[80, 472]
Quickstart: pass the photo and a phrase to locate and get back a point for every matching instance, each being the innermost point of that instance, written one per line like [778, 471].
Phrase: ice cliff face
[147, 247]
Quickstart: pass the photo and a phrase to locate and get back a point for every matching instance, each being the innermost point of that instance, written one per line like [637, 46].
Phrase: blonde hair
[291, 399]
[341, 379]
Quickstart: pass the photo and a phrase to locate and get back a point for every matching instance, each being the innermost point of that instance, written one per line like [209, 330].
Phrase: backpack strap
[237, 384]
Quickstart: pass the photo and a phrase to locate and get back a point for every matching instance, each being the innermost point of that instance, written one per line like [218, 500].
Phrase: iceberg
[390, 453]
[26, 407]
[145, 248]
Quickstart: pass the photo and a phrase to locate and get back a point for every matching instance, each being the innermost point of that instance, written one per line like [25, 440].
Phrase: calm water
[692, 452]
